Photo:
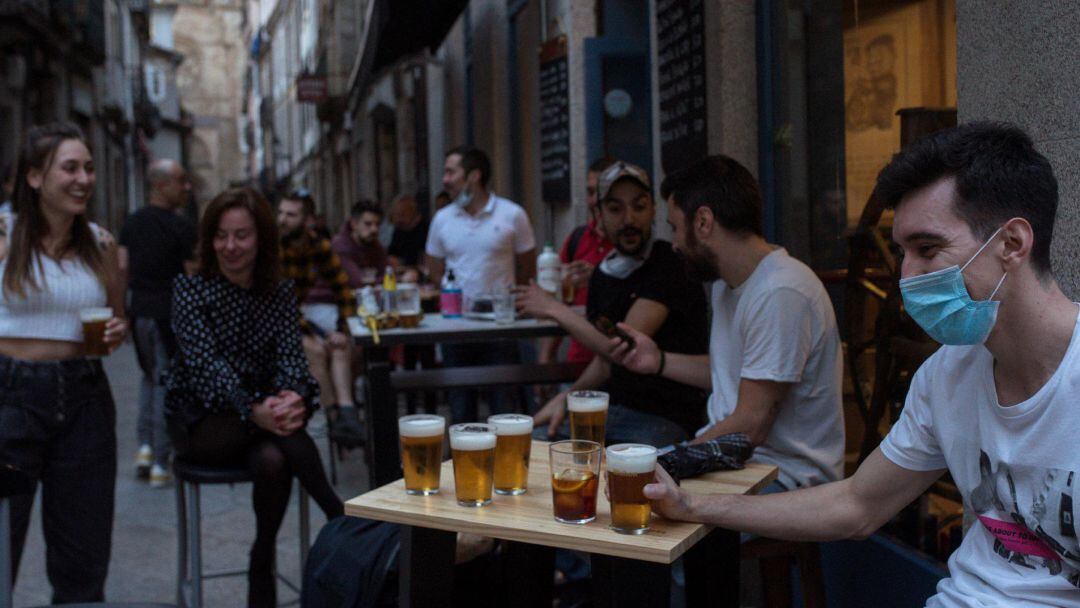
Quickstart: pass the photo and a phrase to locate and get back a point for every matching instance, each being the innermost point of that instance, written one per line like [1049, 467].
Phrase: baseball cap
[618, 171]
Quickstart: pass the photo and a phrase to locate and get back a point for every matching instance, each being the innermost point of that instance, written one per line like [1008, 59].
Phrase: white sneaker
[159, 476]
[143, 459]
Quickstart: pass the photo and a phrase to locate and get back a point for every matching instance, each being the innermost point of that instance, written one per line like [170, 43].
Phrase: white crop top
[51, 313]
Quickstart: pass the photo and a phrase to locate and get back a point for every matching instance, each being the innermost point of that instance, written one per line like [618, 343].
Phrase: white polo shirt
[481, 248]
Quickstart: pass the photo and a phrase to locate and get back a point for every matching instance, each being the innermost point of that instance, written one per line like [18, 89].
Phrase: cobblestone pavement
[143, 566]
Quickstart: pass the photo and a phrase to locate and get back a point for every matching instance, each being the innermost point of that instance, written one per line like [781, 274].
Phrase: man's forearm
[581, 330]
[688, 369]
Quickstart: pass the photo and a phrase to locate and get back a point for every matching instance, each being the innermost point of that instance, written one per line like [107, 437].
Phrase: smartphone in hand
[611, 330]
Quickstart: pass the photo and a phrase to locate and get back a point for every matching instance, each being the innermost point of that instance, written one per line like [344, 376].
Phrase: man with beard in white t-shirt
[996, 406]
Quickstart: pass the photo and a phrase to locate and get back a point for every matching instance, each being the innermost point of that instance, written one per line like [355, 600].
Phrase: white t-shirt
[1016, 467]
[481, 248]
[779, 325]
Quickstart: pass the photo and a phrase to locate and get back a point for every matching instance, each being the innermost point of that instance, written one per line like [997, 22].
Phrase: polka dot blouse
[236, 347]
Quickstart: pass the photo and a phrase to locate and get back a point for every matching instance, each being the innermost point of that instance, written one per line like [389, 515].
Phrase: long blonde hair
[27, 234]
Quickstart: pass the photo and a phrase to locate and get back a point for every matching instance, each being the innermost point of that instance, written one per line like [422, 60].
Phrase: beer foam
[631, 458]
[88, 315]
[587, 401]
[467, 442]
[421, 426]
[511, 424]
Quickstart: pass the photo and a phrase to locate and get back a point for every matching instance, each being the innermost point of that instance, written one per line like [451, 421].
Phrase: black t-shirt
[408, 245]
[661, 279]
[158, 242]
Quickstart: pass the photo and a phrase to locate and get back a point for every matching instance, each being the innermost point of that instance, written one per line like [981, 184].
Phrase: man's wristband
[663, 360]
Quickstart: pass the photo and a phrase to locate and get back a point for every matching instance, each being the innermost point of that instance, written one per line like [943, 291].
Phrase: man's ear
[1018, 238]
[703, 223]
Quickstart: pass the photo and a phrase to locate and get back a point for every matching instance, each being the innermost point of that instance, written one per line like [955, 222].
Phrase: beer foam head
[87, 315]
[511, 424]
[472, 436]
[422, 425]
[587, 401]
[631, 458]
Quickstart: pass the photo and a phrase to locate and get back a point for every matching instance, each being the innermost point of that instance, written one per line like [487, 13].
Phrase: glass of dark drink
[575, 479]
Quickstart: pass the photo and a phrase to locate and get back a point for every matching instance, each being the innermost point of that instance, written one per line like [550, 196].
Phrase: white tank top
[51, 313]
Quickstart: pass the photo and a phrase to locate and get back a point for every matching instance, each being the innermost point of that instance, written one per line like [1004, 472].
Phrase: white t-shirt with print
[779, 325]
[1016, 467]
[481, 248]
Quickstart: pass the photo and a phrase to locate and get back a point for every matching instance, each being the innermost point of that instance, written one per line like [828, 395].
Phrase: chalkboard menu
[554, 121]
[681, 64]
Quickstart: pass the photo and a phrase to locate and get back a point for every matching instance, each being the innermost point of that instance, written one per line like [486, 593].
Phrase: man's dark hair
[999, 175]
[724, 186]
[365, 206]
[304, 196]
[473, 159]
[601, 164]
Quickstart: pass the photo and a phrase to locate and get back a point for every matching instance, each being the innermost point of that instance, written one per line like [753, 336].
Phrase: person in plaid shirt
[322, 286]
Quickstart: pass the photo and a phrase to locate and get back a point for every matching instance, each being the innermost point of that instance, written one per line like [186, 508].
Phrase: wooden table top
[435, 328]
[528, 518]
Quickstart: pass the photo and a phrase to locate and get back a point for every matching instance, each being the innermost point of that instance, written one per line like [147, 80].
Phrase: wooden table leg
[528, 575]
[384, 460]
[619, 582]
[426, 567]
[712, 570]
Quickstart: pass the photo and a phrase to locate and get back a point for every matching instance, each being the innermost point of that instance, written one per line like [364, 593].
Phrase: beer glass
[629, 468]
[93, 327]
[421, 452]
[513, 434]
[575, 480]
[473, 448]
[588, 415]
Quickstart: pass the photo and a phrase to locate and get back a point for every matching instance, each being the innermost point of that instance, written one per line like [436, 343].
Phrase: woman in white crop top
[57, 417]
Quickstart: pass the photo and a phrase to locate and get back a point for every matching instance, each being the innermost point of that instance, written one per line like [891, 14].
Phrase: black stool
[189, 477]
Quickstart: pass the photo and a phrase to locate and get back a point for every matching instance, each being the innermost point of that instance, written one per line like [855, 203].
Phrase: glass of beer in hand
[588, 415]
[513, 442]
[93, 327]
[421, 452]
[473, 448]
[629, 469]
[575, 480]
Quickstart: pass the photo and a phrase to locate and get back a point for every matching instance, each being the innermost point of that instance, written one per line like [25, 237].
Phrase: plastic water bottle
[549, 270]
[450, 298]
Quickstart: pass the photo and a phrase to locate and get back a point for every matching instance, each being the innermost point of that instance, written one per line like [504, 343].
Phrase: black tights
[221, 439]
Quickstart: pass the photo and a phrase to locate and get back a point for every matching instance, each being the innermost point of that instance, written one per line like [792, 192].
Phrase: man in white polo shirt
[488, 242]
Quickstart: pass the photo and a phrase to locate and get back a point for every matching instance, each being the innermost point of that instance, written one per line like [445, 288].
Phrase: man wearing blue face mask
[996, 406]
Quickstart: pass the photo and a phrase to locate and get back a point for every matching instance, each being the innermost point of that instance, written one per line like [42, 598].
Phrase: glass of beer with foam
[472, 446]
[575, 479]
[421, 452]
[588, 415]
[93, 327]
[513, 443]
[629, 469]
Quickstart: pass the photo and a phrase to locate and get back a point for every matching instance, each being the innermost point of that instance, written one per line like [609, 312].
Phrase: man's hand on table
[533, 301]
[552, 414]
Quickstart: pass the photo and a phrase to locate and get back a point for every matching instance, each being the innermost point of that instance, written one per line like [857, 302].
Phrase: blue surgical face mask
[940, 303]
[463, 199]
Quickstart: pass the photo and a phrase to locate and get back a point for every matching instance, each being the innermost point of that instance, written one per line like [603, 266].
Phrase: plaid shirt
[306, 258]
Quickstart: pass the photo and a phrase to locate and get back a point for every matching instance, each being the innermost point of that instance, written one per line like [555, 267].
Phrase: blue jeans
[58, 424]
[154, 360]
[463, 401]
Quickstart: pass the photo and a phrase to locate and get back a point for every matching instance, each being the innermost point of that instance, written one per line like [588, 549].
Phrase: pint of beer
[93, 327]
[575, 480]
[421, 452]
[588, 415]
[473, 448]
[630, 468]
[513, 434]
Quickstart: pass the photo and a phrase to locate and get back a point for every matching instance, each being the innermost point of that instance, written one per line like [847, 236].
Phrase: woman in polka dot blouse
[240, 391]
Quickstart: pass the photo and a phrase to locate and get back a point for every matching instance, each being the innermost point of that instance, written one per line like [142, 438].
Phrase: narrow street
[143, 566]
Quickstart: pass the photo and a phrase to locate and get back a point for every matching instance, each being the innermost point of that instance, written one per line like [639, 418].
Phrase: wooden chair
[776, 558]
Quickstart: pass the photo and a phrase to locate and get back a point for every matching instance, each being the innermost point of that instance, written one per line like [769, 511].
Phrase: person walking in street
[157, 244]
[57, 416]
[240, 392]
[489, 244]
[322, 287]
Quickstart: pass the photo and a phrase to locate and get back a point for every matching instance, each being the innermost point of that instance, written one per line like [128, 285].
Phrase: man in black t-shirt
[157, 245]
[410, 233]
[644, 284]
